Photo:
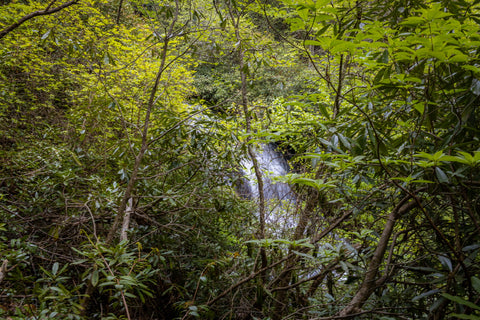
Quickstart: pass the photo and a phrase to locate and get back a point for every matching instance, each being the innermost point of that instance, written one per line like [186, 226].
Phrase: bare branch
[48, 10]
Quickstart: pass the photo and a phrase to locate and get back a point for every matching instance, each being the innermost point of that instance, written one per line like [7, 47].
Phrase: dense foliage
[125, 124]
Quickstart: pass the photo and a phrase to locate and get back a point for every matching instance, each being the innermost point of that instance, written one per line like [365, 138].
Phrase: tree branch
[144, 146]
[368, 284]
[48, 10]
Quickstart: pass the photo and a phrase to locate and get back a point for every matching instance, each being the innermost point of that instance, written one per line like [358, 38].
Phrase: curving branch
[368, 284]
[48, 10]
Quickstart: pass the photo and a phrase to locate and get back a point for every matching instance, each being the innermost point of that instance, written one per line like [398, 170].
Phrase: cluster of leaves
[394, 116]
[376, 107]
[401, 122]
[74, 103]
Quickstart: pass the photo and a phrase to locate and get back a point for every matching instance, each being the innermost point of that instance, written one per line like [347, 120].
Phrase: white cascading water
[278, 195]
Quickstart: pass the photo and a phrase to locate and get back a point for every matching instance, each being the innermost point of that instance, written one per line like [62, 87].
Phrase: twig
[32, 15]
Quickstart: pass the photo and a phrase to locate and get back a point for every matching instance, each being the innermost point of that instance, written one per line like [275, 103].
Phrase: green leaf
[322, 31]
[441, 176]
[55, 268]
[425, 294]
[461, 301]
[303, 13]
[130, 295]
[312, 43]
[317, 184]
[344, 140]
[436, 12]
[420, 107]
[438, 156]
[193, 308]
[466, 158]
[474, 69]
[107, 283]
[446, 262]
[324, 111]
[380, 75]
[471, 247]
[303, 255]
[413, 21]
[302, 243]
[465, 316]
[476, 283]
[94, 279]
[383, 57]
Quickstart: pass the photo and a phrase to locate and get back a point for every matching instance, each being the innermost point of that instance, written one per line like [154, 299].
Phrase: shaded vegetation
[124, 126]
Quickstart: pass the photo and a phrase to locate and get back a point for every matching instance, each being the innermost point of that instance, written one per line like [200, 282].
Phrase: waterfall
[272, 164]
[278, 195]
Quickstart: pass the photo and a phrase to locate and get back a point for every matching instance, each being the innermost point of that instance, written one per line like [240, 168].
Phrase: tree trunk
[368, 284]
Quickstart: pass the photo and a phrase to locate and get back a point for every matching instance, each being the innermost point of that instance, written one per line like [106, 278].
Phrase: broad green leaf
[435, 12]
[380, 75]
[344, 140]
[461, 301]
[324, 111]
[322, 31]
[318, 184]
[411, 179]
[413, 21]
[383, 57]
[437, 156]
[455, 56]
[446, 262]
[193, 308]
[94, 279]
[322, 17]
[337, 46]
[303, 13]
[320, 4]
[130, 295]
[420, 107]
[466, 158]
[465, 316]
[469, 67]
[312, 43]
[107, 283]
[441, 175]
[476, 284]
[55, 268]
[425, 155]
[426, 294]
[471, 247]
